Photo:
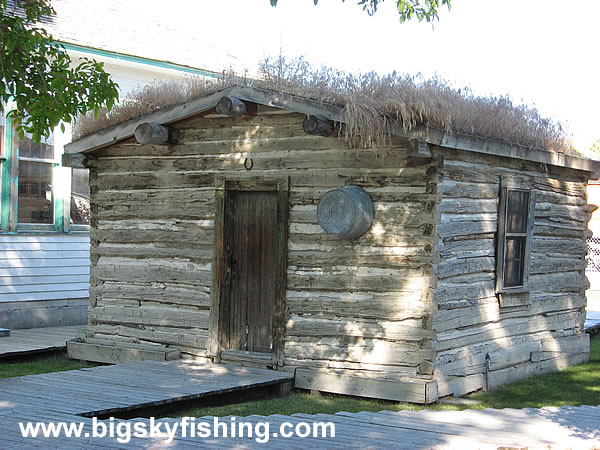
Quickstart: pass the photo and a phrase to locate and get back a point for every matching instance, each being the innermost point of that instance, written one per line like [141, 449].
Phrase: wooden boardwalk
[116, 389]
[35, 340]
[69, 396]
[592, 321]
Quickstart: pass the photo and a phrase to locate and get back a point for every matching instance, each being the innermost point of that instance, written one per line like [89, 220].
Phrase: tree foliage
[595, 147]
[407, 9]
[37, 75]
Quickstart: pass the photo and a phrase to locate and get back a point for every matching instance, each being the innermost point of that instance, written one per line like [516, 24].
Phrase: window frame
[509, 185]
[9, 188]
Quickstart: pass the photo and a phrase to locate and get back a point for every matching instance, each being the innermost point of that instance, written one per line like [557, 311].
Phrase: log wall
[480, 344]
[362, 306]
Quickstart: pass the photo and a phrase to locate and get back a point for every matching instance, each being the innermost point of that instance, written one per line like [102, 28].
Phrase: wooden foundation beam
[417, 391]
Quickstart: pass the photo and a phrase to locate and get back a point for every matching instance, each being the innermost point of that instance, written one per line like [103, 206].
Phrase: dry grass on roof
[373, 104]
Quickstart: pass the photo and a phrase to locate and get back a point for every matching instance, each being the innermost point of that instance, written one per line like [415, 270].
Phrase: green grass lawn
[577, 385]
[36, 364]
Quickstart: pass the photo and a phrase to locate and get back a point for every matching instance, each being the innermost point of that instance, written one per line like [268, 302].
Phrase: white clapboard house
[44, 239]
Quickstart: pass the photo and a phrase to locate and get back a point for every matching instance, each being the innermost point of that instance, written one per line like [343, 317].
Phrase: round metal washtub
[346, 212]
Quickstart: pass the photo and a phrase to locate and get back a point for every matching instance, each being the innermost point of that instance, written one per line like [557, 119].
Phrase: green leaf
[37, 74]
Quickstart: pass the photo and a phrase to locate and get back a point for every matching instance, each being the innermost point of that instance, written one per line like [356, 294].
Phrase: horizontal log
[168, 293]
[161, 316]
[469, 248]
[511, 356]
[365, 370]
[542, 228]
[197, 237]
[199, 253]
[151, 180]
[459, 386]
[468, 206]
[453, 229]
[529, 369]
[558, 282]
[244, 125]
[267, 154]
[460, 364]
[151, 270]
[367, 351]
[462, 266]
[368, 305]
[449, 319]
[480, 350]
[380, 280]
[407, 330]
[325, 259]
[544, 264]
[302, 195]
[449, 292]
[487, 170]
[449, 188]
[559, 199]
[508, 327]
[579, 343]
[558, 246]
[241, 130]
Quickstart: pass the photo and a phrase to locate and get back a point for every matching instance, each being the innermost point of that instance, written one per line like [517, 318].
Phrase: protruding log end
[418, 148]
[75, 160]
[317, 125]
[231, 106]
[153, 133]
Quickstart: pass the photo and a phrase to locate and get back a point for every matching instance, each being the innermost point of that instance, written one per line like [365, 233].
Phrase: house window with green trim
[38, 194]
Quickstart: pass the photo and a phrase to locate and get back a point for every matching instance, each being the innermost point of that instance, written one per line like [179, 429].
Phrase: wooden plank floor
[34, 340]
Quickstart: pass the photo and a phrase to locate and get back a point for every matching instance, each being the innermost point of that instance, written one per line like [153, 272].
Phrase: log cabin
[239, 227]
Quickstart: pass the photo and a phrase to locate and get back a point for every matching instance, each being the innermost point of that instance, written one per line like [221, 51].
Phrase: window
[36, 193]
[36, 167]
[80, 196]
[515, 229]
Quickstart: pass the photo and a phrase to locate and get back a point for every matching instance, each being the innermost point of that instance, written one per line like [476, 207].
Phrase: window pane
[43, 150]
[516, 212]
[514, 261]
[36, 204]
[80, 197]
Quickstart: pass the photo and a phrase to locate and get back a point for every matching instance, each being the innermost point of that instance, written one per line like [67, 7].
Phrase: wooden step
[111, 352]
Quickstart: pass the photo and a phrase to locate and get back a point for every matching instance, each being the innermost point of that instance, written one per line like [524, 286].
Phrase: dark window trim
[506, 186]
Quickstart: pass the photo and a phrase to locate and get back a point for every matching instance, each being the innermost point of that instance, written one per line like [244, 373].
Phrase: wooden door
[250, 285]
